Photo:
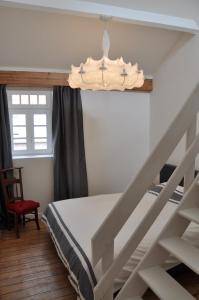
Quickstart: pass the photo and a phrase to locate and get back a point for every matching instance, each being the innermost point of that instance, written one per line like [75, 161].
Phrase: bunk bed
[73, 222]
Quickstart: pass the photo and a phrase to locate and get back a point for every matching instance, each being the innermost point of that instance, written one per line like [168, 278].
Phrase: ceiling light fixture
[106, 74]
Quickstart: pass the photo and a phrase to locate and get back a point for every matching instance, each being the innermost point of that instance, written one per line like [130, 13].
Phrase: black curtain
[5, 145]
[70, 176]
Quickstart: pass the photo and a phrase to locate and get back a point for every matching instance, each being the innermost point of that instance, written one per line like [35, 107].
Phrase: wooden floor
[30, 269]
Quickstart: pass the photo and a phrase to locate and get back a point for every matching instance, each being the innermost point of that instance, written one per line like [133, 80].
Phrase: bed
[73, 222]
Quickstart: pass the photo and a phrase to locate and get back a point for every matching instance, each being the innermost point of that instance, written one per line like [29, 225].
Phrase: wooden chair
[12, 187]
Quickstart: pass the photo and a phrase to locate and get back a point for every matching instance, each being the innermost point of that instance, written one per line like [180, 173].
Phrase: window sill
[32, 156]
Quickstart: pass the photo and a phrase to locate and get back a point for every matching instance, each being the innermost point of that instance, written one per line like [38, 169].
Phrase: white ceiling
[155, 14]
[50, 40]
[179, 8]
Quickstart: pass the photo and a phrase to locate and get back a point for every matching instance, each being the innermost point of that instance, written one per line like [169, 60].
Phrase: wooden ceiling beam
[48, 79]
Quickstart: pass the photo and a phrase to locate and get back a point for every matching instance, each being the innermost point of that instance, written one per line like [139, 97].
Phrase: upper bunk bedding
[73, 222]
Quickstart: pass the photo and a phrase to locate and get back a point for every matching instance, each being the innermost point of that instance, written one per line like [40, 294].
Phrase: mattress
[73, 222]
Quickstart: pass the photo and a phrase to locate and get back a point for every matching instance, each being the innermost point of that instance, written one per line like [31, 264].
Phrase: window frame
[29, 110]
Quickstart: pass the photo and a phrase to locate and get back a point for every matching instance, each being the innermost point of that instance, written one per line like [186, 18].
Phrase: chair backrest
[11, 183]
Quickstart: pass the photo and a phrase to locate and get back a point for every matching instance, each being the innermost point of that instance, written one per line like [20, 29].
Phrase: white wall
[116, 129]
[37, 179]
[174, 82]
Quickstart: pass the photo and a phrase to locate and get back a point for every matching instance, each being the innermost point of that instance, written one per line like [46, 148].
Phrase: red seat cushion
[21, 207]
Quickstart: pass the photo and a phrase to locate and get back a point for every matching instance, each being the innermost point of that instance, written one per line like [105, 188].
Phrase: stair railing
[103, 240]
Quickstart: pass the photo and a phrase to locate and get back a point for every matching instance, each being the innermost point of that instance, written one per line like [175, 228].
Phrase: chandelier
[106, 74]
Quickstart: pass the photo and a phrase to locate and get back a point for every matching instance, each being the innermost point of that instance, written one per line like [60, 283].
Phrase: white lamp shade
[106, 74]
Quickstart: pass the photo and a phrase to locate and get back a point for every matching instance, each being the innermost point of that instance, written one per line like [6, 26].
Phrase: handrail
[147, 221]
[136, 190]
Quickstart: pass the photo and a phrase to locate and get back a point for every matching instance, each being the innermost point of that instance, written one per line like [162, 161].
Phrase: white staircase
[168, 242]
[149, 272]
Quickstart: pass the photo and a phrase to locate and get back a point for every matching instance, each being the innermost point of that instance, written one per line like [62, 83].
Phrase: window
[30, 120]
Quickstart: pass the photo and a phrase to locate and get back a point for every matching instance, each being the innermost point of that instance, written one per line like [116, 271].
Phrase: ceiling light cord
[105, 37]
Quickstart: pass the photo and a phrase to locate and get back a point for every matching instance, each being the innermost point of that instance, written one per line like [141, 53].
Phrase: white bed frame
[149, 272]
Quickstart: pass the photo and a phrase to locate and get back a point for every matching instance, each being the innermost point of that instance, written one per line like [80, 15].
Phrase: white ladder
[149, 273]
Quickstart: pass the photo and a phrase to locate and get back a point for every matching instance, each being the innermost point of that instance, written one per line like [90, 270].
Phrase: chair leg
[17, 226]
[8, 222]
[37, 219]
[24, 220]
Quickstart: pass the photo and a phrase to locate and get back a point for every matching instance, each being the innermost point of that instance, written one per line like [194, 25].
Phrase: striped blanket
[176, 196]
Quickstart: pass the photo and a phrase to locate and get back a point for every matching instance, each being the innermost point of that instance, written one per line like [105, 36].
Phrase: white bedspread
[83, 216]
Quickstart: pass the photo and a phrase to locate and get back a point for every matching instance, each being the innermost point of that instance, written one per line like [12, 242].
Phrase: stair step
[186, 253]
[191, 214]
[163, 285]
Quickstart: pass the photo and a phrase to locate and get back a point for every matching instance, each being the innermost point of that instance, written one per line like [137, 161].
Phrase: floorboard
[31, 270]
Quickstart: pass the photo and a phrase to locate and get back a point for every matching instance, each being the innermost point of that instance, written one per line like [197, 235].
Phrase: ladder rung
[191, 214]
[186, 253]
[163, 285]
